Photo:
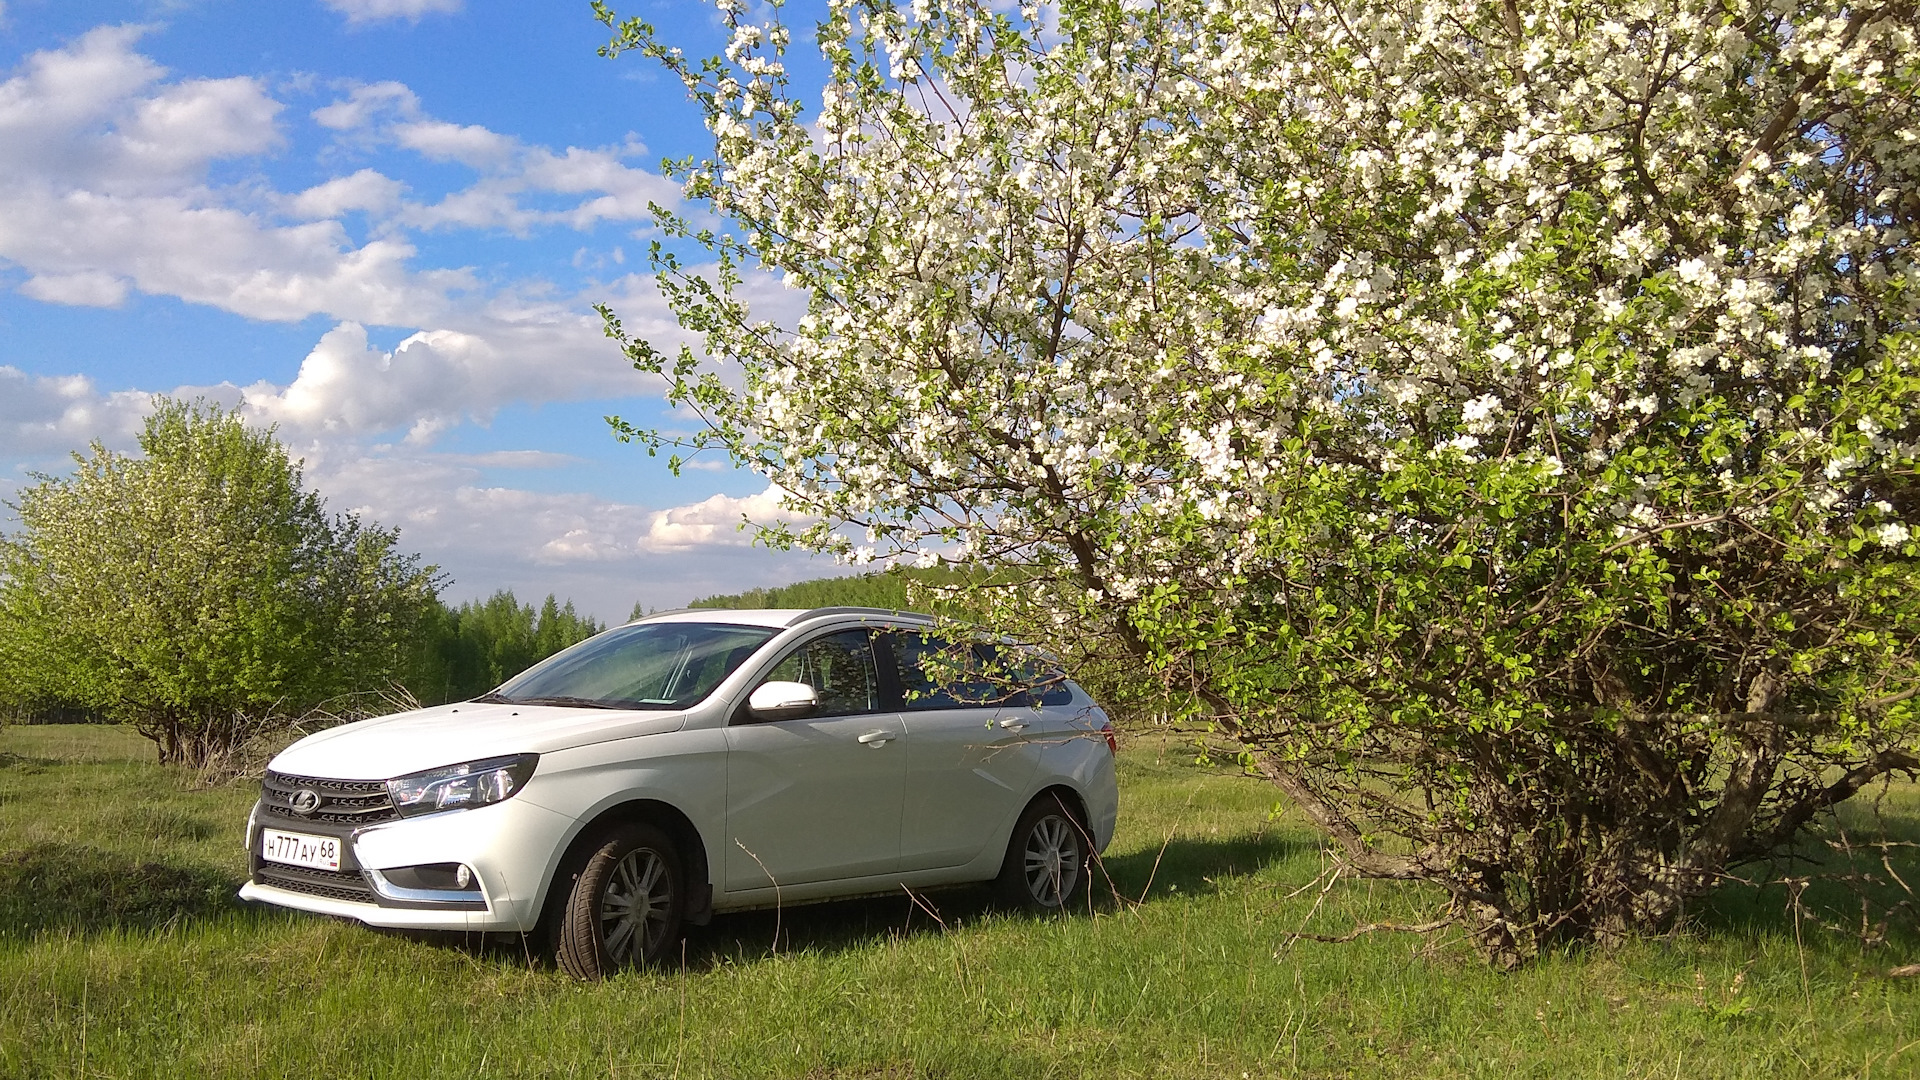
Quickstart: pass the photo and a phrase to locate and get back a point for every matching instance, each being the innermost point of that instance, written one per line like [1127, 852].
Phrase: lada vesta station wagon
[692, 763]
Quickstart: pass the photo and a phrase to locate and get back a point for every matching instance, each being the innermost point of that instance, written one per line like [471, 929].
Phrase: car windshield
[649, 666]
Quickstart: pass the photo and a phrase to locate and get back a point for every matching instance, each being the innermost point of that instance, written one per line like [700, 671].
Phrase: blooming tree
[1499, 419]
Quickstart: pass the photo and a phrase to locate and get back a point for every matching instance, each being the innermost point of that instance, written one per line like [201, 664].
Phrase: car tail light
[1113, 744]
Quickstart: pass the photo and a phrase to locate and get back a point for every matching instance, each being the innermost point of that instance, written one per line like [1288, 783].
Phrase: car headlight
[459, 787]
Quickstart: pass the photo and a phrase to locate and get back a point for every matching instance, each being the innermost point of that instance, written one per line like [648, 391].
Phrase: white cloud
[42, 415]
[88, 288]
[365, 190]
[604, 553]
[367, 102]
[364, 11]
[220, 257]
[90, 116]
[470, 145]
[509, 170]
[596, 551]
[720, 521]
[108, 186]
[434, 379]
[201, 120]
[104, 189]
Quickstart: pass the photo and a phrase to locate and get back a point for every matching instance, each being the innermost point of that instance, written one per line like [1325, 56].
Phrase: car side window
[938, 674]
[839, 667]
[1024, 678]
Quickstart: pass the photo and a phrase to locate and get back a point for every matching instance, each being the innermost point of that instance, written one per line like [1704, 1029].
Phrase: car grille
[342, 802]
[328, 883]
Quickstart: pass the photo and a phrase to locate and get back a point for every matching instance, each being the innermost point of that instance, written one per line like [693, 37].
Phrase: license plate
[299, 849]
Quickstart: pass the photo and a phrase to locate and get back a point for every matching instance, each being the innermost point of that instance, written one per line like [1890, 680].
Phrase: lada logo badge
[306, 801]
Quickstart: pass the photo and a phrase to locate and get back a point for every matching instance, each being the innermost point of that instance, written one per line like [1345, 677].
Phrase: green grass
[122, 953]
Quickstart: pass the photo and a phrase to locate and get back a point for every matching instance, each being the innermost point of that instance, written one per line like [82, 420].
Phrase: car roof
[778, 617]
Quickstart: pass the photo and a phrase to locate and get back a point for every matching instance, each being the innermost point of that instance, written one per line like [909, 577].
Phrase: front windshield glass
[648, 666]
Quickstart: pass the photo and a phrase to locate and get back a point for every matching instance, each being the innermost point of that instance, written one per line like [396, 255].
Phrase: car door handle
[1013, 723]
[876, 738]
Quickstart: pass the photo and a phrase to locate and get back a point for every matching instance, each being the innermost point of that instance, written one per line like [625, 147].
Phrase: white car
[692, 763]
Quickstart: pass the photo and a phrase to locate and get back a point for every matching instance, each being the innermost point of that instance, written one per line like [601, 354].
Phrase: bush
[198, 591]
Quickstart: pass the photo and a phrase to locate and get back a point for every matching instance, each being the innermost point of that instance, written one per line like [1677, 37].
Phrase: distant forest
[880, 589]
[470, 649]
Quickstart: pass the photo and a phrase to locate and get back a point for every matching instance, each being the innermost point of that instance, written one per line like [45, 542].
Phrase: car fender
[1080, 762]
[685, 770]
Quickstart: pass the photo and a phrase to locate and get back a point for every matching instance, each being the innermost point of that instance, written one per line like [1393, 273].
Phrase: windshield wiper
[570, 702]
[492, 698]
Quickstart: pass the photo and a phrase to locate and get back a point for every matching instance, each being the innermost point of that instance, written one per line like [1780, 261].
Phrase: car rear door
[818, 798]
[970, 750]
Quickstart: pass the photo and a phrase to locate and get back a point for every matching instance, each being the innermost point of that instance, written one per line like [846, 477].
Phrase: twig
[776, 891]
[1417, 928]
[1161, 854]
[1799, 885]
[1332, 880]
[680, 1042]
[924, 906]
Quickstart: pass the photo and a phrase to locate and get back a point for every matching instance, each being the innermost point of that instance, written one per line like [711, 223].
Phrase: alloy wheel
[635, 908]
[1052, 860]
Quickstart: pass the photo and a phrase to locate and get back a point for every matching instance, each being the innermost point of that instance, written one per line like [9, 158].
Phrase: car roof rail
[815, 613]
[657, 614]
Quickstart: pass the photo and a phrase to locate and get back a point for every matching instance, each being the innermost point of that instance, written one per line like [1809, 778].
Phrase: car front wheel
[624, 906]
[1046, 865]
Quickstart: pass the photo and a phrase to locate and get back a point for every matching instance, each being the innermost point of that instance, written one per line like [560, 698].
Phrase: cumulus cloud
[104, 167]
[434, 379]
[604, 553]
[102, 189]
[468, 144]
[43, 415]
[88, 288]
[93, 116]
[198, 121]
[515, 459]
[595, 550]
[366, 190]
[718, 521]
[366, 11]
[367, 102]
[510, 171]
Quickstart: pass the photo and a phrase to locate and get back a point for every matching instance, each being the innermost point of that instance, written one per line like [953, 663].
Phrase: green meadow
[123, 953]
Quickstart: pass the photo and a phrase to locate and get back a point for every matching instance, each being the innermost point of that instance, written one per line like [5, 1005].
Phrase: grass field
[123, 953]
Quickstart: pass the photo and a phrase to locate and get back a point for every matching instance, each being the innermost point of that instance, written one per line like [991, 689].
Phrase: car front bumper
[508, 848]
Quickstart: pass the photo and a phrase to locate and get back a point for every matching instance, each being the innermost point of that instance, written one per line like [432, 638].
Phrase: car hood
[389, 746]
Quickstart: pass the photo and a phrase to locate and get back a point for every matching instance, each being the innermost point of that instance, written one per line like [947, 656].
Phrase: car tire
[624, 903]
[1046, 867]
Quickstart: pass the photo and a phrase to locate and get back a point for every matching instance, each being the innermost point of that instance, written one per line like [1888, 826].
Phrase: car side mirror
[783, 701]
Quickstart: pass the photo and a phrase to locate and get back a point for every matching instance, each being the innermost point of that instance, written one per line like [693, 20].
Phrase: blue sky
[379, 225]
